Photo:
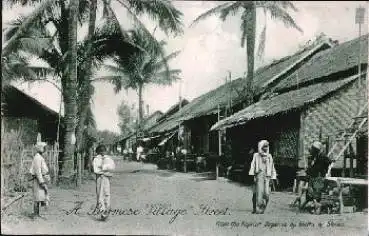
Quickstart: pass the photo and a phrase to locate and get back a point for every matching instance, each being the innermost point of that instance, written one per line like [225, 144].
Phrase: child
[103, 166]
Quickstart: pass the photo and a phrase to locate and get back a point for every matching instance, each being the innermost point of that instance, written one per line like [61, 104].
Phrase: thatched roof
[19, 103]
[337, 59]
[151, 120]
[208, 103]
[284, 102]
[173, 109]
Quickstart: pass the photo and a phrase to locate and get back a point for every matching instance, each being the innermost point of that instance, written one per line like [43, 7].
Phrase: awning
[167, 138]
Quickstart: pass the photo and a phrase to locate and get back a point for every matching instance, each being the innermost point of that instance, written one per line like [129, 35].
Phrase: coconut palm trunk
[250, 51]
[86, 84]
[70, 91]
[140, 105]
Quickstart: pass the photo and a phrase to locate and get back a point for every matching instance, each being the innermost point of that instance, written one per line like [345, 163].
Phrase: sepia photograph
[175, 117]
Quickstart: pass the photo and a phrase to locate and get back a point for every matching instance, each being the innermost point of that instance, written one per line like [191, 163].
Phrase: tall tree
[278, 10]
[141, 68]
[126, 119]
[161, 11]
[70, 89]
[86, 89]
[61, 55]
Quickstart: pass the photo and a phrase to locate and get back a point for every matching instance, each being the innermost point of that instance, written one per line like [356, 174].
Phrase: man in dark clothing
[320, 162]
[316, 173]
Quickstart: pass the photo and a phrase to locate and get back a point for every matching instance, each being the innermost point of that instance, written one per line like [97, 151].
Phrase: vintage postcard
[143, 117]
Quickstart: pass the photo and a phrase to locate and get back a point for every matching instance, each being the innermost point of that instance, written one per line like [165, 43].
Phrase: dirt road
[150, 201]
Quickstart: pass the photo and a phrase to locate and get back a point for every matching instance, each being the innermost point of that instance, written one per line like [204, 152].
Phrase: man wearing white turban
[40, 174]
[262, 168]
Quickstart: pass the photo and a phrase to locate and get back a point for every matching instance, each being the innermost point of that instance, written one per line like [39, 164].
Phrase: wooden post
[220, 147]
[79, 170]
[340, 197]
[351, 162]
[21, 169]
[301, 151]
[344, 165]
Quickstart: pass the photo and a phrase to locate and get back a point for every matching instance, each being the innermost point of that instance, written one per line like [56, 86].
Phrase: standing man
[262, 168]
[40, 174]
[103, 167]
[139, 152]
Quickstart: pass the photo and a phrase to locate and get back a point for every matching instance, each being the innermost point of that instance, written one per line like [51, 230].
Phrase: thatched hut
[316, 102]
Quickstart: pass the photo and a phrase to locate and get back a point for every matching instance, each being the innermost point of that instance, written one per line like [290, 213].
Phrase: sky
[209, 50]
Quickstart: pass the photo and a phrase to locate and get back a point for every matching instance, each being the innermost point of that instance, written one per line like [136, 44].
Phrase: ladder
[352, 132]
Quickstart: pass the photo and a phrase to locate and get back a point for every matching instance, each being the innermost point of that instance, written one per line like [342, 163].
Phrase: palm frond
[34, 45]
[161, 11]
[281, 14]
[243, 28]
[232, 9]
[153, 42]
[262, 39]
[41, 71]
[164, 81]
[214, 11]
[90, 118]
[173, 55]
[286, 5]
[31, 19]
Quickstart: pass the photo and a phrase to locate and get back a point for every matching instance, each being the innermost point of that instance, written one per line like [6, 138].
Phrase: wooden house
[317, 102]
[200, 114]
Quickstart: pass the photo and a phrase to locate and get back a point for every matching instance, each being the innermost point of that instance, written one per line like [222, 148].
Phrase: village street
[137, 186]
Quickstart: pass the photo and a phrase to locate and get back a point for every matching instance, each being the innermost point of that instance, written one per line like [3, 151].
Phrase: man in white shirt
[103, 167]
[139, 152]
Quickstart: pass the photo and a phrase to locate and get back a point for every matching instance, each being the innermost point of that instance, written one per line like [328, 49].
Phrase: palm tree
[70, 89]
[86, 89]
[58, 53]
[61, 55]
[161, 11]
[278, 10]
[141, 68]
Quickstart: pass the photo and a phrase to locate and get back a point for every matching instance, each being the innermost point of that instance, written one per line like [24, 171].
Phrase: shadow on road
[205, 176]
[162, 173]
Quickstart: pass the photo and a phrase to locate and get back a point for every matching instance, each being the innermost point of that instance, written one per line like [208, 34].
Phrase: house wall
[328, 117]
[282, 132]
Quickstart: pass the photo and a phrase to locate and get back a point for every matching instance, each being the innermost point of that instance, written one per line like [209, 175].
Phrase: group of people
[103, 167]
[262, 168]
